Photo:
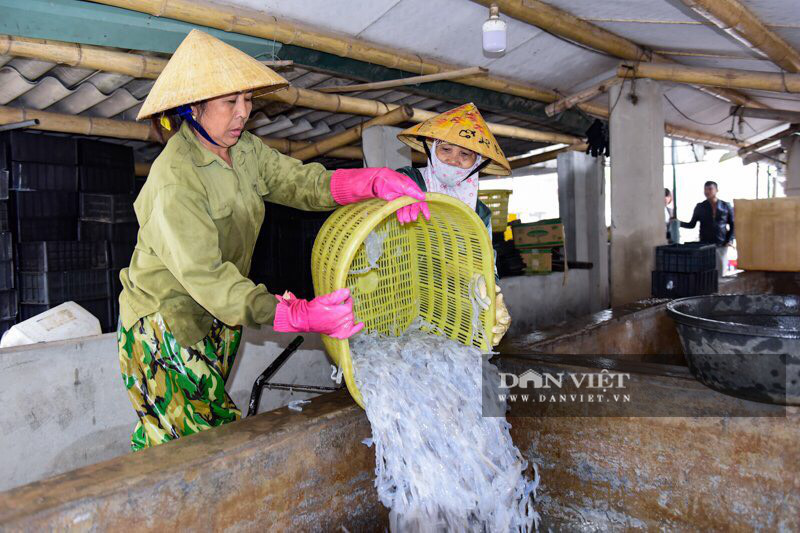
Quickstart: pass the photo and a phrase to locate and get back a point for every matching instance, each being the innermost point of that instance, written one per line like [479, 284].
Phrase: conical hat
[204, 67]
[463, 126]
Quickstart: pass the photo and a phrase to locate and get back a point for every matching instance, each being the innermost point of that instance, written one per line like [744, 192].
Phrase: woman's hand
[329, 314]
[350, 185]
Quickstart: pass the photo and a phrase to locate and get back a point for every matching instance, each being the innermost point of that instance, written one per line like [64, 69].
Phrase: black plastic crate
[5, 325]
[4, 216]
[39, 148]
[282, 255]
[114, 282]
[98, 207]
[6, 275]
[8, 304]
[689, 257]
[44, 204]
[106, 180]
[6, 246]
[93, 153]
[58, 287]
[43, 177]
[4, 178]
[120, 254]
[4, 149]
[99, 307]
[107, 231]
[55, 256]
[46, 229]
[139, 184]
[683, 284]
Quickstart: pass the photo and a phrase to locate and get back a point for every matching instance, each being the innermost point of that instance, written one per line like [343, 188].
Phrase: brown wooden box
[768, 234]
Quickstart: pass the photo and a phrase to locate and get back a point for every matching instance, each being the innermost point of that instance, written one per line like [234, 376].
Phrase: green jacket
[483, 211]
[198, 223]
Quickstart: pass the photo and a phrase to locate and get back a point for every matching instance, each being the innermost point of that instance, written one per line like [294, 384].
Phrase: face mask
[448, 175]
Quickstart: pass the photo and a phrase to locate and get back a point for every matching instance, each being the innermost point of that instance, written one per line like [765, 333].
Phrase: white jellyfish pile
[441, 465]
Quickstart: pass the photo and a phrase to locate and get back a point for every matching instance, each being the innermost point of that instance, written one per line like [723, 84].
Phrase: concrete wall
[64, 404]
[539, 301]
[310, 471]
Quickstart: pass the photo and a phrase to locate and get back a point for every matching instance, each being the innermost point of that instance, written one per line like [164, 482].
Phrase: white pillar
[792, 187]
[382, 149]
[637, 188]
[582, 206]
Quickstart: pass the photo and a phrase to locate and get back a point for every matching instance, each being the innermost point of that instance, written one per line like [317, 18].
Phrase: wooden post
[401, 114]
[700, 137]
[743, 25]
[718, 77]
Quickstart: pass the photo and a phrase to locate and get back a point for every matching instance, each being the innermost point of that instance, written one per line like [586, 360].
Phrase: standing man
[716, 223]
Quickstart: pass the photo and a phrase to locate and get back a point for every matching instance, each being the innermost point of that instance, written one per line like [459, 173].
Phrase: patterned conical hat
[204, 67]
[463, 126]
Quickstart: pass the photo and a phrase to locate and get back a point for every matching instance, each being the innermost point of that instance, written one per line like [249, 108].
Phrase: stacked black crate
[44, 209]
[107, 184]
[8, 296]
[685, 270]
[282, 255]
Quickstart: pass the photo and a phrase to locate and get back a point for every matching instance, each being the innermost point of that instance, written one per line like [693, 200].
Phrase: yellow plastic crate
[497, 201]
[425, 271]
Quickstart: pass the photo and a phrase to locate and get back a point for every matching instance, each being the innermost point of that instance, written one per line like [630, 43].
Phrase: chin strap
[185, 112]
[480, 167]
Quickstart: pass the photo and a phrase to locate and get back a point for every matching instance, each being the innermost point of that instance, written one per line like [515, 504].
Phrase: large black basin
[744, 345]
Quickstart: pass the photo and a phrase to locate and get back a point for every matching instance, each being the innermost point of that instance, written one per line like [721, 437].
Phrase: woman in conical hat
[186, 294]
[459, 145]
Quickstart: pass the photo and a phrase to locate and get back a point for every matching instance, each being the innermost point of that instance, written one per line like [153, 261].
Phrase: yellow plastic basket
[497, 201]
[426, 271]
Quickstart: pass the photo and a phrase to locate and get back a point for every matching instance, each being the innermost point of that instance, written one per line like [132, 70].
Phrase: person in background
[668, 215]
[186, 294]
[716, 223]
[459, 145]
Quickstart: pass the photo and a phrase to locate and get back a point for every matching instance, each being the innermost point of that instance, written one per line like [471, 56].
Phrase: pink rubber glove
[329, 314]
[351, 185]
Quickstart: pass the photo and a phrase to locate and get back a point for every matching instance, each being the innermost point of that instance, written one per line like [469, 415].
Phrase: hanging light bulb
[494, 31]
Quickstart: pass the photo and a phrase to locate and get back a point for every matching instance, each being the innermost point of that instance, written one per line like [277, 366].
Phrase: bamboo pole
[83, 56]
[565, 24]
[771, 155]
[413, 80]
[743, 25]
[113, 61]
[718, 77]
[781, 115]
[336, 103]
[791, 130]
[549, 155]
[278, 63]
[581, 96]
[700, 137]
[59, 122]
[129, 64]
[401, 114]
[238, 19]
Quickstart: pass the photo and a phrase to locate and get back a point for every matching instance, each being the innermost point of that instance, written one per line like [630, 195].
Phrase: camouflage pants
[176, 390]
